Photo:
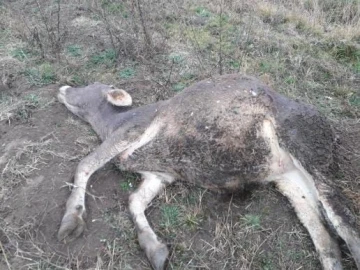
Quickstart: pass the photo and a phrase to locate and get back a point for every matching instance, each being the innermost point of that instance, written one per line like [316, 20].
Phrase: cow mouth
[62, 94]
[61, 98]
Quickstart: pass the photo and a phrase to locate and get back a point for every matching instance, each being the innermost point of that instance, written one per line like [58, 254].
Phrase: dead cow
[219, 133]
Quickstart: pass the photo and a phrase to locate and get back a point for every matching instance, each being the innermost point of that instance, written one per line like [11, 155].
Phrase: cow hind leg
[340, 217]
[300, 190]
[151, 186]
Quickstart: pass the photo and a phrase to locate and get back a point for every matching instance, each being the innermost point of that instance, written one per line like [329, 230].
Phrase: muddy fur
[304, 132]
[213, 130]
[221, 124]
[339, 201]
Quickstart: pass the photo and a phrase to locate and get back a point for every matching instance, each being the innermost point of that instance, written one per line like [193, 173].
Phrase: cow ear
[119, 97]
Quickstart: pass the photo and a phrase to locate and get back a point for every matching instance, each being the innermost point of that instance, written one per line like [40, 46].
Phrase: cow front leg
[152, 185]
[73, 224]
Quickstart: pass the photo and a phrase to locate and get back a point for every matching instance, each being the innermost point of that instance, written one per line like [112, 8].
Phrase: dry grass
[13, 109]
[281, 40]
[235, 234]
[20, 244]
[22, 158]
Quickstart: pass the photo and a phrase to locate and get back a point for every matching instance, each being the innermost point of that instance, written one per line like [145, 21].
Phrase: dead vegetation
[306, 49]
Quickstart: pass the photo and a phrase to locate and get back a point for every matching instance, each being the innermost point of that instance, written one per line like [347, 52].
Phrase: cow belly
[203, 163]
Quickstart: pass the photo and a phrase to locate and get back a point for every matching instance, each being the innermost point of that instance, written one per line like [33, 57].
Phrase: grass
[354, 100]
[357, 67]
[77, 79]
[15, 109]
[193, 219]
[170, 217]
[176, 58]
[234, 64]
[129, 182]
[114, 8]
[106, 58]
[7, 106]
[41, 75]
[74, 50]
[202, 12]
[252, 221]
[127, 73]
[33, 99]
[178, 86]
[267, 263]
[127, 185]
[21, 54]
[26, 158]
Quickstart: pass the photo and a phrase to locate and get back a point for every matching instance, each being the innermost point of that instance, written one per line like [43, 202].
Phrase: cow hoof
[158, 257]
[72, 226]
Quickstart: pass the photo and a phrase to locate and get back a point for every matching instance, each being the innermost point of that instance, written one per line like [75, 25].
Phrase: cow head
[88, 100]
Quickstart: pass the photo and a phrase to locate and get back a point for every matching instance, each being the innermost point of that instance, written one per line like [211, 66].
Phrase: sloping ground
[305, 49]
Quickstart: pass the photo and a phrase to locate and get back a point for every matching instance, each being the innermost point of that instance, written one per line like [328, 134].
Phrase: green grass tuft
[21, 53]
[33, 99]
[114, 8]
[202, 12]
[267, 263]
[178, 87]
[354, 100]
[346, 52]
[74, 50]
[106, 58]
[252, 220]
[42, 75]
[127, 73]
[193, 220]
[78, 80]
[234, 64]
[127, 185]
[176, 58]
[130, 181]
[169, 216]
